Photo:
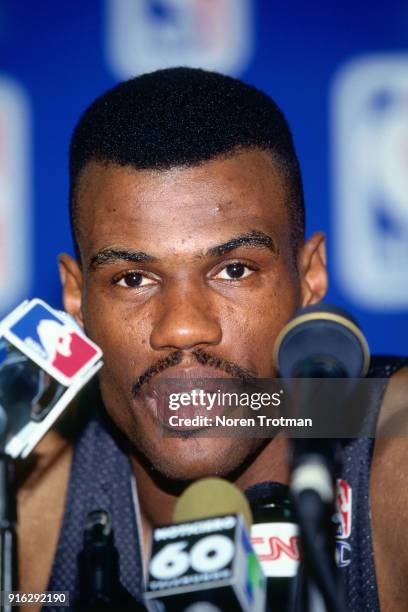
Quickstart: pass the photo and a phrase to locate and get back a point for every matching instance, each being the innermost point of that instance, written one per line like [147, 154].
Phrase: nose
[186, 319]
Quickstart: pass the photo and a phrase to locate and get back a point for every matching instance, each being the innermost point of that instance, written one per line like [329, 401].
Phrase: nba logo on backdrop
[370, 129]
[15, 230]
[150, 34]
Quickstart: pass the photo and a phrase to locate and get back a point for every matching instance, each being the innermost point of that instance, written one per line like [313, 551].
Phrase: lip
[196, 372]
[184, 380]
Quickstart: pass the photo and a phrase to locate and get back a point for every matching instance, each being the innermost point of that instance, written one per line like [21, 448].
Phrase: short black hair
[182, 117]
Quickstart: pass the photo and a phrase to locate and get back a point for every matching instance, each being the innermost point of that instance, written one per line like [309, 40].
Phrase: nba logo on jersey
[148, 35]
[343, 509]
[343, 520]
[52, 342]
[370, 121]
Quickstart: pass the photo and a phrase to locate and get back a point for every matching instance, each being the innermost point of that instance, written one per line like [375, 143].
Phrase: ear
[71, 280]
[312, 269]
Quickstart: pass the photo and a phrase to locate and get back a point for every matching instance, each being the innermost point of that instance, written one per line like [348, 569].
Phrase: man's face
[179, 264]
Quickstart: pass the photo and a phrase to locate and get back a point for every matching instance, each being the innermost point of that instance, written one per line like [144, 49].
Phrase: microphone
[98, 569]
[319, 344]
[275, 538]
[45, 360]
[321, 341]
[205, 561]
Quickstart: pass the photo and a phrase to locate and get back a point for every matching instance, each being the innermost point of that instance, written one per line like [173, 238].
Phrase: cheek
[121, 338]
[115, 325]
[252, 326]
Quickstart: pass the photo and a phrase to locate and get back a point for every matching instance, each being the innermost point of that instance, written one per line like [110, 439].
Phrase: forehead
[118, 205]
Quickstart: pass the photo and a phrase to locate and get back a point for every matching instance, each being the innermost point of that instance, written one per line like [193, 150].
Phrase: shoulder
[40, 506]
[389, 494]
[42, 483]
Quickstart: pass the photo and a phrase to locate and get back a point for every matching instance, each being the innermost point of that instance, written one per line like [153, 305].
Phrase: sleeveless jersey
[101, 478]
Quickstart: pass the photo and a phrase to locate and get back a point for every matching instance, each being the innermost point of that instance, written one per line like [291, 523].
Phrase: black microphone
[275, 538]
[322, 341]
[319, 344]
[98, 568]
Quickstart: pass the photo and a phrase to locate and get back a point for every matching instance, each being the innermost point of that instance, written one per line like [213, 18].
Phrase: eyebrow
[107, 256]
[254, 239]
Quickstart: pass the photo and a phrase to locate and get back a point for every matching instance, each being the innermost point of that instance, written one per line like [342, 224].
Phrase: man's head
[187, 208]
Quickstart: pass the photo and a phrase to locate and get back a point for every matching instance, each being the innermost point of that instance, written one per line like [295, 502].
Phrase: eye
[234, 271]
[132, 280]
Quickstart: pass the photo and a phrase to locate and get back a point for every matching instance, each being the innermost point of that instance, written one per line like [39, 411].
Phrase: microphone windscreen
[264, 492]
[209, 497]
[322, 333]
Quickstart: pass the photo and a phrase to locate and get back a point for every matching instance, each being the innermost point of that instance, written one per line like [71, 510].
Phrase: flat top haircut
[183, 117]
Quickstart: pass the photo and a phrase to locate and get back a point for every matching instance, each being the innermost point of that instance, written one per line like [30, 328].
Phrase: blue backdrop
[338, 70]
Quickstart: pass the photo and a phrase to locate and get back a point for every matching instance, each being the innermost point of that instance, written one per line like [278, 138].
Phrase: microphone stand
[8, 540]
[313, 463]
[319, 585]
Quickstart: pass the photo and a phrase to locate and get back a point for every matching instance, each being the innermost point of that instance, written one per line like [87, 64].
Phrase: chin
[186, 459]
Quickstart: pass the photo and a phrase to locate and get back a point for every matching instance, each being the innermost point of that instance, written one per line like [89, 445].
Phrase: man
[188, 220]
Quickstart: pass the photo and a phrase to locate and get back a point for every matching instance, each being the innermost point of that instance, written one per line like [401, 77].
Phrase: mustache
[203, 358]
